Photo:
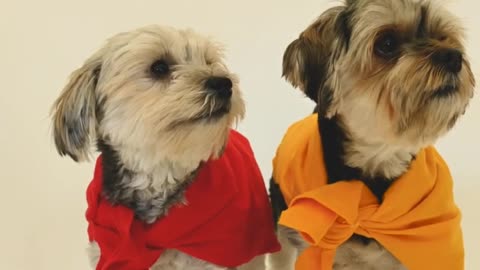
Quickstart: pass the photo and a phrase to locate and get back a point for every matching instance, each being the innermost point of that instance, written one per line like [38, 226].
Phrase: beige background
[42, 199]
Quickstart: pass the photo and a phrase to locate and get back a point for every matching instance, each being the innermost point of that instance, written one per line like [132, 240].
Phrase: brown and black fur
[388, 77]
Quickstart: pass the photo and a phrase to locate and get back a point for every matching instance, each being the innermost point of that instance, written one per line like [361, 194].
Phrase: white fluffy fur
[152, 123]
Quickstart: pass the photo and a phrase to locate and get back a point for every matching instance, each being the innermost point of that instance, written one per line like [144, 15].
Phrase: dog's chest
[147, 196]
[176, 260]
[355, 255]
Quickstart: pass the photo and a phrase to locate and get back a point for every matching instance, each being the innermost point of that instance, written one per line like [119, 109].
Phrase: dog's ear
[307, 60]
[302, 66]
[73, 113]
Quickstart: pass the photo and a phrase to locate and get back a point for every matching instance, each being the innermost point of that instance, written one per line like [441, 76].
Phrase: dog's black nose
[221, 85]
[449, 59]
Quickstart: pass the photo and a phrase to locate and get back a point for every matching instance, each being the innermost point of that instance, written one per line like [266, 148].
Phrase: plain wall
[42, 196]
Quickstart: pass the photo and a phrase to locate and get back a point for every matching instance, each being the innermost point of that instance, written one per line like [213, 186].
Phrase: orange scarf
[418, 221]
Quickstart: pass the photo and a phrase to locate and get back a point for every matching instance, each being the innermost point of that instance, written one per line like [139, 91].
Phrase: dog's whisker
[206, 101]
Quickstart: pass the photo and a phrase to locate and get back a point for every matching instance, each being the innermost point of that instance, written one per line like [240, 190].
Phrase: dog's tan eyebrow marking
[422, 25]
[188, 52]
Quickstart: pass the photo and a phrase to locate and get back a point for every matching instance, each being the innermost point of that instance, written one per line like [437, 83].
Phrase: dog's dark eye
[387, 45]
[159, 68]
[443, 38]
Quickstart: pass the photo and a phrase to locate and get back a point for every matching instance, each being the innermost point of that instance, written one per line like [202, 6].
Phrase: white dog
[159, 102]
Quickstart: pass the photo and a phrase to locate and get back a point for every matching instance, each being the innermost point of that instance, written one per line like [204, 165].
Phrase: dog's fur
[389, 77]
[149, 100]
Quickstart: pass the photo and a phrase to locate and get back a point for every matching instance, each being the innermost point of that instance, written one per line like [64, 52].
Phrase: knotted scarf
[418, 221]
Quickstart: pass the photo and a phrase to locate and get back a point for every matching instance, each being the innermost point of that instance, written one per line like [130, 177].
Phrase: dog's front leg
[292, 245]
[258, 263]
[93, 251]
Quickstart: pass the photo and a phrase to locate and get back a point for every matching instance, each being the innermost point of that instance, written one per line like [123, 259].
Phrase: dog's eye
[387, 45]
[159, 68]
[442, 38]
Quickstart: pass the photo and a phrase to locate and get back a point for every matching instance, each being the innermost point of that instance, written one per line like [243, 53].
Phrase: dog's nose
[450, 59]
[222, 86]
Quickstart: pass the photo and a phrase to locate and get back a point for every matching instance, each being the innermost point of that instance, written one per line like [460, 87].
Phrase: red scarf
[227, 222]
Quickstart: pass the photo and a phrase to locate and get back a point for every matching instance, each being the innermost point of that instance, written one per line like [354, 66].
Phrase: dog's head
[155, 92]
[392, 70]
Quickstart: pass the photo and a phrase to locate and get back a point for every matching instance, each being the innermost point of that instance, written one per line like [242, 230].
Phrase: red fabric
[228, 219]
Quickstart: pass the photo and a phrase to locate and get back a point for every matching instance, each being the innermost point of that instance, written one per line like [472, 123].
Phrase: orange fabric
[418, 221]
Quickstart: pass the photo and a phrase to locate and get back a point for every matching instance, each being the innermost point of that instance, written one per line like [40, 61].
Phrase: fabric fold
[418, 221]
[227, 220]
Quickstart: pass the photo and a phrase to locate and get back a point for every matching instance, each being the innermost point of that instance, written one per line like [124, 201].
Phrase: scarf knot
[418, 214]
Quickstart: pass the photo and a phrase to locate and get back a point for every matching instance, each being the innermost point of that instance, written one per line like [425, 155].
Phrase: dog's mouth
[213, 114]
[207, 115]
[445, 91]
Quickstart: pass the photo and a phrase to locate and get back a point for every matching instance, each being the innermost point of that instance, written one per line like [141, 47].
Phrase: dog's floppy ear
[307, 60]
[302, 66]
[73, 113]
